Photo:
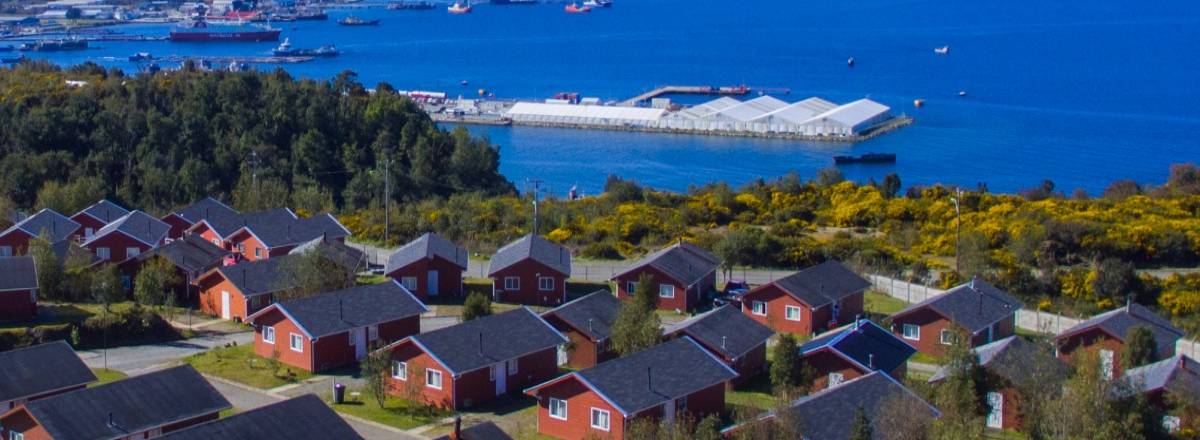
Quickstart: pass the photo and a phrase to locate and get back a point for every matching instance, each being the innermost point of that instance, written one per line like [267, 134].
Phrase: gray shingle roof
[225, 223]
[41, 369]
[428, 245]
[136, 404]
[1177, 374]
[1014, 359]
[57, 225]
[822, 284]
[300, 418]
[275, 230]
[1119, 321]
[191, 253]
[259, 277]
[137, 225]
[725, 330]
[974, 305]
[534, 247]
[17, 273]
[484, 341]
[207, 207]
[669, 370]
[338, 311]
[866, 343]
[829, 414]
[104, 211]
[592, 314]
[684, 262]
[341, 253]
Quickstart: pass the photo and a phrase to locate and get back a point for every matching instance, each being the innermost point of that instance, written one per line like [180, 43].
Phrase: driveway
[137, 359]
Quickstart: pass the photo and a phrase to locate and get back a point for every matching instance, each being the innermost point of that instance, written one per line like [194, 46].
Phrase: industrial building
[764, 115]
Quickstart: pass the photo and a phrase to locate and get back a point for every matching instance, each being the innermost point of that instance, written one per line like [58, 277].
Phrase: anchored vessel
[200, 30]
[286, 50]
[355, 21]
[866, 158]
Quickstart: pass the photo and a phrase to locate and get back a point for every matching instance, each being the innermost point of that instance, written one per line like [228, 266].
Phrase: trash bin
[339, 393]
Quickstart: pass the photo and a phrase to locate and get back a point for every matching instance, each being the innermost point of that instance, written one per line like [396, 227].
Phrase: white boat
[941, 50]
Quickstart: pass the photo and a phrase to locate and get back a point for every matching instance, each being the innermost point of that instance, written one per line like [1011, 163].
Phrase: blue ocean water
[1082, 93]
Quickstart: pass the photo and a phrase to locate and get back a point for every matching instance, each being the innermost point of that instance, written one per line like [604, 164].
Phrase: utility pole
[537, 185]
[387, 198]
[254, 172]
[957, 228]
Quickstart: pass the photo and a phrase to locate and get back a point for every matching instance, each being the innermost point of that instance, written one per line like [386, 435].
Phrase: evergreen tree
[477, 305]
[785, 365]
[958, 396]
[1140, 348]
[154, 281]
[106, 286]
[861, 428]
[51, 276]
[637, 326]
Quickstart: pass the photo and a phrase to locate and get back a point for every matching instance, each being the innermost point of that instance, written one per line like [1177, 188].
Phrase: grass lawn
[395, 412]
[875, 302]
[364, 280]
[107, 375]
[927, 359]
[241, 365]
[753, 394]
[1006, 434]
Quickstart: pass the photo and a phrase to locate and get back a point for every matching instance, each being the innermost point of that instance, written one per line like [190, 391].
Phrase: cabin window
[399, 370]
[666, 291]
[758, 308]
[1106, 364]
[372, 333]
[257, 252]
[297, 343]
[600, 419]
[269, 334]
[630, 287]
[409, 283]
[216, 242]
[912, 331]
[512, 283]
[558, 408]
[103, 253]
[241, 247]
[131, 252]
[433, 379]
[681, 404]
[545, 283]
[87, 232]
[14, 435]
[791, 313]
[5, 251]
[946, 337]
[512, 367]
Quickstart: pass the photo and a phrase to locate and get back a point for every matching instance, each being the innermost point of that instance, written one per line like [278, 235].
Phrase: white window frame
[257, 252]
[630, 287]
[904, 328]
[492, 372]
[131, 252]
[88, 232]
[400, 370]
[946, 337]
[512, 283]
[6, 251]
[558, 403]
[430, 375]
[512, 367]
[409, 283]
[296, 342]
[669, 288]
[372, 333]
[14, 435]
[546, 284]
[216, 242]
[787, 313]
[755, 306]
[104, 253]
[241, 248]
[268, 334]
[607, 419]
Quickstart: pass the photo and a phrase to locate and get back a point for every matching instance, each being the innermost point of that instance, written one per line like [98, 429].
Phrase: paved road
[139, 359]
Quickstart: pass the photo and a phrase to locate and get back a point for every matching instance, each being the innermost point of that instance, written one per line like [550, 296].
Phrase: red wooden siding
[810, 320]
[471, 388]
[449, 277]
[686, 299]
[17, 305]
[528, 272]
[117, 243]
[16, 240]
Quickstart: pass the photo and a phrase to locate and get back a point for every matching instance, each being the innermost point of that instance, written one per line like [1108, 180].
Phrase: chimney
[457, 434]
[111, 422]
[481, 343]
[340, 315]
[722, 342]
[649, 380]
[856, 319]
[871, 361]
[590, 326]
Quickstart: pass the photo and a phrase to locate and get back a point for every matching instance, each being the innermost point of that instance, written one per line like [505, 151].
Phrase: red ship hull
[265, 35]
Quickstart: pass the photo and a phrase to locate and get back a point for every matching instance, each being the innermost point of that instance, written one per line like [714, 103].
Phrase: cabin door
[501, 375]
[995, 417]
[432, 283]
[225, 304]
[360, 343]
[669, 412]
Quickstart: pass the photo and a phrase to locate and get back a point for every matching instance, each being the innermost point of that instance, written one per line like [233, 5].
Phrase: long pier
[690, 90]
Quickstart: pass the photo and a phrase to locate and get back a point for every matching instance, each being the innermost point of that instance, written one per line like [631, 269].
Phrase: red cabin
[191, 256]
[40, 371]
[986, 314]
[684, 274]
[266, 236]
[857, 350]
[587, 322]
[474, 362]
[97, 216]
[1170, 385]
[46, 223]
[186, 217]
[18, 289]
[729, 335]
[127, 237]
[429, 266]
[1106, 334]
[532, 271]
[657, 383]
[820, 297]
[333, 329]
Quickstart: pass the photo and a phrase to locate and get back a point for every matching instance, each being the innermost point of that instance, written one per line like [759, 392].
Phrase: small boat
[962, 93]
[866, 158]
[918, 103]
[286, 50]
[463, 82]
[310, 15]
[410, 6]
[355, 21]
[574, 8]
[459, 8]
[941, 50]
[141, 56]
[850, 62]
[598, 3]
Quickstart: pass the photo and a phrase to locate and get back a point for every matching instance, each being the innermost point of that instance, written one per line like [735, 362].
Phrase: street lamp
[957, 228]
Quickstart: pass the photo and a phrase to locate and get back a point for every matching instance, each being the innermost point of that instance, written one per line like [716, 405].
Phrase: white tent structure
[552, 113]
[749, 110]
[707, 109]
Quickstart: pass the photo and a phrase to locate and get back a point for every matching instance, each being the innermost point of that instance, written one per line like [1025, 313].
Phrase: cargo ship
[355, 21]
[286, 50]
[200, 30]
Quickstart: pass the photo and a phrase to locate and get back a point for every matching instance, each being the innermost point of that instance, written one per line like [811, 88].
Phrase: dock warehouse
[547, 113]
